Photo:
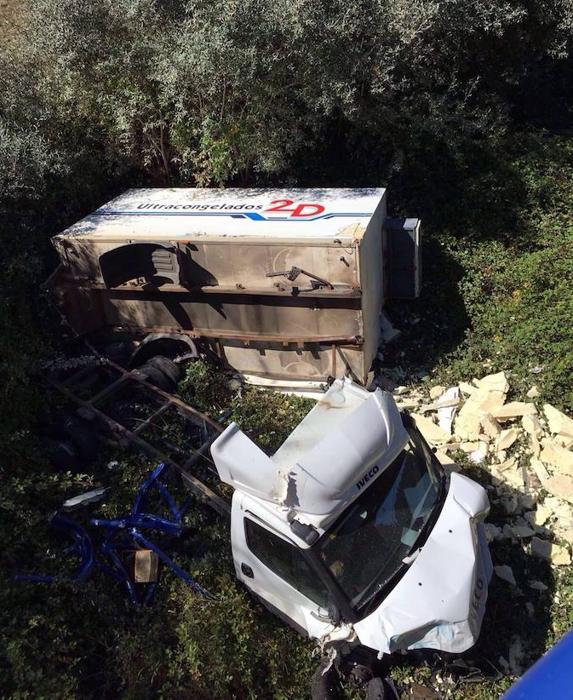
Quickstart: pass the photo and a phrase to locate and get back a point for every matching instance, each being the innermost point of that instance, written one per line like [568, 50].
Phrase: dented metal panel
[283, 284]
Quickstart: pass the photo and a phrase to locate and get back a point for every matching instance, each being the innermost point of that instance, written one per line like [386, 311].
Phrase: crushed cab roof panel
[327, 460]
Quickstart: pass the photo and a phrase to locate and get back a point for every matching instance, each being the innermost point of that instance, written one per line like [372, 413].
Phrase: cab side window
[286, 561]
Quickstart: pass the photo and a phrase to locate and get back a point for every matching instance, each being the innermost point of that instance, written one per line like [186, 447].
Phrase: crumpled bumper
[440, 602]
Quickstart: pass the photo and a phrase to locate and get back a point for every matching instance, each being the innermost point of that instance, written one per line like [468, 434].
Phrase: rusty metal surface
[244, 299]
[200, 489]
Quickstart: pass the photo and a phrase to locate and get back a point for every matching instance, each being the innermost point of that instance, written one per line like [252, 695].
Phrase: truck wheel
[325, 685]
[167, 366]
[161, 372]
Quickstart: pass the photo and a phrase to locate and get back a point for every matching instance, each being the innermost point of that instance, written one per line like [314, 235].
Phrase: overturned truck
[284, 286]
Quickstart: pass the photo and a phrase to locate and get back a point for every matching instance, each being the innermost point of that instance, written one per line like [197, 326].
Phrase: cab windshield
[366, 546]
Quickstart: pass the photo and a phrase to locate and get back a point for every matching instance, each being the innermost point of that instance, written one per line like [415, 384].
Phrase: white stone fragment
[560, 556]
[533, 393]
[469, 446]
[506, 439]
[505, 573]
[557, 457]
[436, 391]
[514, 409]
[543, 513]
[539, 468]
[540, 548]
[494, 382]
[531, 425]
[488, 396]
[490, 426]
[537, 585]
[466, 388]
[557, 421]
[431, 432]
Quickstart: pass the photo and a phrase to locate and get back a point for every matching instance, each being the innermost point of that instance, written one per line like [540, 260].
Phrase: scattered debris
[126, 554]
[505, 573]
[487, 397]
[506, 439]
[431, 432]
[540, 471]
[557, 457]
[558, 422]
[532, 477]
[560, 486]
[540, 548]
[436, 392]
[531, 425]
[560, 556]
[85, 498]
[537, 585]
[490, 426]
[514, 409]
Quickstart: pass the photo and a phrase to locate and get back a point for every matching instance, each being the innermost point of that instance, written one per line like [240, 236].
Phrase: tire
[167, 366]
[161, 372]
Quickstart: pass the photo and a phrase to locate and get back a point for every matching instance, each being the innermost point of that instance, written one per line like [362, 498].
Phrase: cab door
[277, 571]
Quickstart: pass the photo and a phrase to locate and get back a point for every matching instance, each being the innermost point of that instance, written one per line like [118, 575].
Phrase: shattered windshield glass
[365, 547]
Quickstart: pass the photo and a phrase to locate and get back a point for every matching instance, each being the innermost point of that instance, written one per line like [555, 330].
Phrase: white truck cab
[353, 531]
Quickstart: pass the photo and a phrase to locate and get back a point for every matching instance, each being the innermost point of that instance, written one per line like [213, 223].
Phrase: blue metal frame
[124, 534]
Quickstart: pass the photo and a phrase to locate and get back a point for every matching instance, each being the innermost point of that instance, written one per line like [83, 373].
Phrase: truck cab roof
[343, 443]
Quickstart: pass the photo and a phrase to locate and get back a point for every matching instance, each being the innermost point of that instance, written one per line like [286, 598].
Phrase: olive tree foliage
[206, 92]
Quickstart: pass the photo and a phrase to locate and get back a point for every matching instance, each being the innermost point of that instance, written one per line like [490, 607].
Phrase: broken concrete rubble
[505, 573]
[436, 392]
[490, 426]
[540, 471]
[486, 428]
[557, 421]
[506, 439]
[556, 456]
[531, 425]
[561, 486]
[514, 409]
[432, 432]
[488, 397]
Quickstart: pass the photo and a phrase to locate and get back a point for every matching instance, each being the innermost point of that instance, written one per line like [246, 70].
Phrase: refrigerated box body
[285, 285]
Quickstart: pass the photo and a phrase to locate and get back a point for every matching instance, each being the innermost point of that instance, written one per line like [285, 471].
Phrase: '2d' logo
[295, 211]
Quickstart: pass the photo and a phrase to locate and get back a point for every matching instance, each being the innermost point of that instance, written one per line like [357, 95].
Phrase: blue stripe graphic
[253, 216]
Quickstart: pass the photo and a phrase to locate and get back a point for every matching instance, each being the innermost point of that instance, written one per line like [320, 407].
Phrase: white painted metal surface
[309, 214]
[318, 472]
[326, 461]
[440, 601]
